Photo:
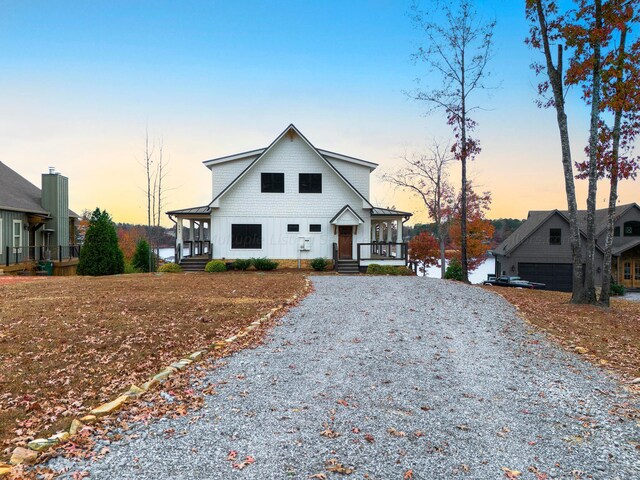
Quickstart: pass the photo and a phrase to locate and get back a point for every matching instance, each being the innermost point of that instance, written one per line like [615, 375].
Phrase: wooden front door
[345, 243]
[631, 272]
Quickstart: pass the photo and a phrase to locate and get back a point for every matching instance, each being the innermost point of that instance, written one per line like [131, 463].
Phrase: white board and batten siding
[244, 203]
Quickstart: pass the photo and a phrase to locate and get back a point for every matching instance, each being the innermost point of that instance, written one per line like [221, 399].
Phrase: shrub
[129, 268]
[242, 264]
[319, 264]
[264, 264]
[375, 269]
[616, 289]
[142, 256]
[100, 253]
[215, 266]
[454, 270]
[170, 268]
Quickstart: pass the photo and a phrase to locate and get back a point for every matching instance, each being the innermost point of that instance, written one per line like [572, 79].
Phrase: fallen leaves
[396, 433]
[333, 465]
[511, 474]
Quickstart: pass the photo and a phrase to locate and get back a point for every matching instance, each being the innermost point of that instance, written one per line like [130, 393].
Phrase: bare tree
[545, 29]
[458, 51]
[426, 177]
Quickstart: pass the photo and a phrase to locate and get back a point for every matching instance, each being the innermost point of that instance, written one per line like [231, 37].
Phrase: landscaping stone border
[28, 456]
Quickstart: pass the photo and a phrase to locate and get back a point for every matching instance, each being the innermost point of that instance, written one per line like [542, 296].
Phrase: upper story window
[310, 183]
[616, 231]
[293, 227]
[315, 227]
[555, 236]
[272, 182]
[632, 229]
[246, 235]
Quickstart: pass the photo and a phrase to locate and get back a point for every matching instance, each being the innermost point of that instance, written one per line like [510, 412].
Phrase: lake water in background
[488, 267]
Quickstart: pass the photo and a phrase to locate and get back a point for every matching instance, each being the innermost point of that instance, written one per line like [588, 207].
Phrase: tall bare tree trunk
[590, 267]
[557, 83]
[613, 186]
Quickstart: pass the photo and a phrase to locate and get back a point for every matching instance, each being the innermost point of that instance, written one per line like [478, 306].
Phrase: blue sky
[81, 81]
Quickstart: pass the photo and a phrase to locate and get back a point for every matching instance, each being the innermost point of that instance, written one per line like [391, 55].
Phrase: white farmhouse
[290, 202]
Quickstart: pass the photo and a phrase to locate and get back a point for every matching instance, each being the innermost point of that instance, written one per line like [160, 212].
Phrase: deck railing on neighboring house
[16, 255]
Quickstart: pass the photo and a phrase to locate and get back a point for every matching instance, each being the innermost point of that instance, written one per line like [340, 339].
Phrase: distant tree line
[503, 227]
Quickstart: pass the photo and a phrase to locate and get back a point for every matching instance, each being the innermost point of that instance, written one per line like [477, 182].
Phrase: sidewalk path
[394, 377]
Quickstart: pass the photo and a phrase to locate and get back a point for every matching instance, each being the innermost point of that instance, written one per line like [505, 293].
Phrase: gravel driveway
[386, 375]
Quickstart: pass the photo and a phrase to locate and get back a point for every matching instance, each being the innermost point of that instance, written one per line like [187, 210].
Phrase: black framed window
[310, 183]
[555, 236]
[293, 227]
[272, 182]
[315, 227]
[616, 231]
[246, 235]
[632, 229]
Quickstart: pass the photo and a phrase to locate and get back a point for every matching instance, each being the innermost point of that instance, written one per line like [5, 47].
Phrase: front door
[345, 242]
[631, 273]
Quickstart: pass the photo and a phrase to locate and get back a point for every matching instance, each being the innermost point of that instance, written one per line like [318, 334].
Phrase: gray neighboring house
[539, 250]
[36, 224]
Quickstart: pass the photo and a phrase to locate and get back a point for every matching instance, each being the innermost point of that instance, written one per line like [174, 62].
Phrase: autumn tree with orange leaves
[425, 249]
[479, 231]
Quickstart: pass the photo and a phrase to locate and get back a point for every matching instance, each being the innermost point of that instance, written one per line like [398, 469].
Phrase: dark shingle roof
[18, 194]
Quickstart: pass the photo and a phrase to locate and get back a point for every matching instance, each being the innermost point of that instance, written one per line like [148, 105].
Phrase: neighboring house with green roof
[539, 250]
[35, 224]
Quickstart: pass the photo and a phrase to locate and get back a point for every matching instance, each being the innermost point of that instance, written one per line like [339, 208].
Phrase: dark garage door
[556, 276]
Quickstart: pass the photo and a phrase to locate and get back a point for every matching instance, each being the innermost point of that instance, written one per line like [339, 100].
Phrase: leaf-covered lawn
[611, 336]
[70, 343]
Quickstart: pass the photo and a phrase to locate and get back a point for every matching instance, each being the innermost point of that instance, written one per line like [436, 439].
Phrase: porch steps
[347, 267]
[194, 264]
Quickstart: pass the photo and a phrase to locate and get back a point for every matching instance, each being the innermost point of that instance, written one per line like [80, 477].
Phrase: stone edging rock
[29, 456]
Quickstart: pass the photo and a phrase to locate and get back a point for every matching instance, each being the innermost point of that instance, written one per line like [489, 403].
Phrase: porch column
[179, 244]
[191, 236]
[399, 239]
[389, 237]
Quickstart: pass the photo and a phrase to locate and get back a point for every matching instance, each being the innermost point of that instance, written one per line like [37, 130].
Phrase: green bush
[170, 268]
[100, 253]
[375, 269]
[454, 270]
[129, 268]
[142, 257]
[616, 290]
[319, 264]
[242, 264]
[215, 266]
[264, 264]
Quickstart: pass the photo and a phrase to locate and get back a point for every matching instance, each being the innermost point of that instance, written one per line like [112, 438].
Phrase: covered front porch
[626, 265]
[193, 233]
[386, 245]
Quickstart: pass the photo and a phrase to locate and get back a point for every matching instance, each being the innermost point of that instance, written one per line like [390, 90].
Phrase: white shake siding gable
[224, 173]
[245, 203]
[358, 175]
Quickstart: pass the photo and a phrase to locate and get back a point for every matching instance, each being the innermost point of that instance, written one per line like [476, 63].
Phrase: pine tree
[141, 256]
[100, 253]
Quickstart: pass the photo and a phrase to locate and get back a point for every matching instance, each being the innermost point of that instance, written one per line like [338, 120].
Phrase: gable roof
[290, 128]
[537, 218]
[344, 210]
[19, 194]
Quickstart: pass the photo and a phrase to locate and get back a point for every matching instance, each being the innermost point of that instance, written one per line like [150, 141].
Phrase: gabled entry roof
[291, 129]
[346, 214]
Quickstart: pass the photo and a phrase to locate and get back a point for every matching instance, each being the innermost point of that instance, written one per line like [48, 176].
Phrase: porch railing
[383, 251]
[15, 255]
[198, 247]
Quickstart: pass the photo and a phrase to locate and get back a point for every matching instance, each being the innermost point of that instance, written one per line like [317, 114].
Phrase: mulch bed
[611, 336]
[68, 344]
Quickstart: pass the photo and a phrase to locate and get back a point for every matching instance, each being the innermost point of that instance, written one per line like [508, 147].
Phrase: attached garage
[556, 276]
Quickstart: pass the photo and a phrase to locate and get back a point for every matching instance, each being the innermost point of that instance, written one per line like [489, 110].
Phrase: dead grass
[610, 335]
[69, 343]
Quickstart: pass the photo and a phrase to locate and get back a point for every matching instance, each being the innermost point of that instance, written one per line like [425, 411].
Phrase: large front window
[310, 183]
[272, 182]
[246, 236]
